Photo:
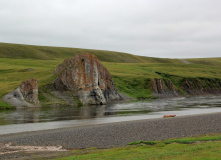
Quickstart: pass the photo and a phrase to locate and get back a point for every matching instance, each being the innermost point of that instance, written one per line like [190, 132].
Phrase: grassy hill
[20, 51]
[131, 73]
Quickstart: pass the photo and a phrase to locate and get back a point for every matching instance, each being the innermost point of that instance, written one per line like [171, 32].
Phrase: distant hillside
[206, 61]
[20, 51]
[137, 76]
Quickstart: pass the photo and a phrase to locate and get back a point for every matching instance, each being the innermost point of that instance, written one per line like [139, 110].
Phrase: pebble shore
[119, 134]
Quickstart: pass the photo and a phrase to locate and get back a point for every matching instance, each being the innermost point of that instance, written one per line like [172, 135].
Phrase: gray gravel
[119, 134]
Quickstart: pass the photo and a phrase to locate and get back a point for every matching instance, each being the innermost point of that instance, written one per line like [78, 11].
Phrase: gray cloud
[155, 28]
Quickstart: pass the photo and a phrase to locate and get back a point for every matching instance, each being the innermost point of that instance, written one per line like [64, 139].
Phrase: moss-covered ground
[201, 148]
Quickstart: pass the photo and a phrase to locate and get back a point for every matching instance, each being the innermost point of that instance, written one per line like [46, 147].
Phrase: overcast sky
[154, 28]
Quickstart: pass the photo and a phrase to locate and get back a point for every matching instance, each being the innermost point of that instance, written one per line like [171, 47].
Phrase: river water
[32, 119]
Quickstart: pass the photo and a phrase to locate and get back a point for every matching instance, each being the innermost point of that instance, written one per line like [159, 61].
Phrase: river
[33, 119]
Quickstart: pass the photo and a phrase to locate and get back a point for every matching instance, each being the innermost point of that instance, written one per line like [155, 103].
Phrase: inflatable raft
[171, 115]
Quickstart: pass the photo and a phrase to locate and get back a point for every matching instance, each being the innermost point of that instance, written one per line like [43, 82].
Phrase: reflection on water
[35, 115]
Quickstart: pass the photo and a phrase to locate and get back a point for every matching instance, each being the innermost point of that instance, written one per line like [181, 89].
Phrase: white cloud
[160, 28]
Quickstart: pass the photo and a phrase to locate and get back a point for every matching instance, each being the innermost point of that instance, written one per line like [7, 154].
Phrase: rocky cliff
[86, 78]
[26, 95]
[200, 86]
[163, 88]
[185, 86]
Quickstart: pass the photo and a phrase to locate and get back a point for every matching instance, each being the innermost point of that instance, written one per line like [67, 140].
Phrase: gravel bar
[119, 134]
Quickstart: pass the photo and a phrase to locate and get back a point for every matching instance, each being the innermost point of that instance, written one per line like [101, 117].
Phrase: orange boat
[171, 115]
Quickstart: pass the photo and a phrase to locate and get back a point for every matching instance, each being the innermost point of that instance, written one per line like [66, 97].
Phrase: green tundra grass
[193, 148]
[132, 74]
[48, 53]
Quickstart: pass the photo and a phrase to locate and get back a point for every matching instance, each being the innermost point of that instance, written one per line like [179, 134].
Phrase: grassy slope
[133, 79]
[206, 61]
[201, 147]
[49, 53]
[132, 74]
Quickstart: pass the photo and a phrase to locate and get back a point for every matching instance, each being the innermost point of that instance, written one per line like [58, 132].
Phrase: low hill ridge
[21, 51]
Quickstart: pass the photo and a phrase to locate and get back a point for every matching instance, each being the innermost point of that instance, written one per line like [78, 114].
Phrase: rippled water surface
[29, 119]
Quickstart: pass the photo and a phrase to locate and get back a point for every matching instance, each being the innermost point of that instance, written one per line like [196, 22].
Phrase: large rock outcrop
[26, 95]
[86, 78]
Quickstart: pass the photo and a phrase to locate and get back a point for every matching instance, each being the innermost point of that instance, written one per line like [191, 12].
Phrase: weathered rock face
[87, 79]
[29, 90]
[25, 95]
[163, 88]
[201, 86]
[190, 86]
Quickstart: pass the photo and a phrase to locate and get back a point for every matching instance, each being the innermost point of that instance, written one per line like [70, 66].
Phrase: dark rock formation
[87, 79]
[201, 86]
[25, 95]
[163, 88]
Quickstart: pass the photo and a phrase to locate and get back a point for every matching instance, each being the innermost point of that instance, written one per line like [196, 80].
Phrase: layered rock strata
[26, 95]
[201, 86]
[86, 78]
[163, 88]
[192, 86]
